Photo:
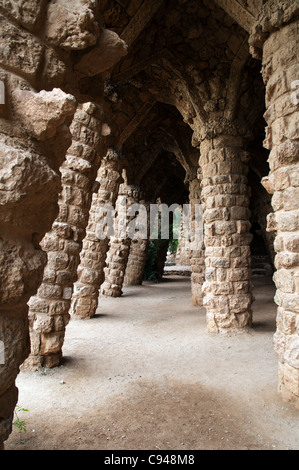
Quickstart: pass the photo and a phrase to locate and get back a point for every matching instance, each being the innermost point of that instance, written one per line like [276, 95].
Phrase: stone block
[290, 378]
[72, 29]
[59, 307]
[43, 323]
[51, 343]
[38, 305]
[107, 52]
[286, 260]
[240, 274]
[44, 112]
[14, 51]
[49, 291]
[291, 242]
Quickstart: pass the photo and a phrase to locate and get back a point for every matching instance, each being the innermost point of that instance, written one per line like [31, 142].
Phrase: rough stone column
[136, 263]
[49, 308]
[32, 147]
[281, 75]
[183, 254]
[94, 251]
[225, 194]
[161, 255]
[197, 256]
[118, 254]
[137, 258]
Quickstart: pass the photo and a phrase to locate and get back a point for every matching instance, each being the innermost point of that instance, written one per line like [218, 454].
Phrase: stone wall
[34, 134]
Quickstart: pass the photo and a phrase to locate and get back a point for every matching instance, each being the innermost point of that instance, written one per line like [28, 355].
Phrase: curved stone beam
[140, 20]
[238, 13]
[135, 123]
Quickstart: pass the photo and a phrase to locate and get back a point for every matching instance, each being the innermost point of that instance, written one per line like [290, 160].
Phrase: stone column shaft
[136, 263]
[119, 250]
[94, 252]
[280, 70]
[138, 255]
[49, 308]
[197, 256]
[225, 193]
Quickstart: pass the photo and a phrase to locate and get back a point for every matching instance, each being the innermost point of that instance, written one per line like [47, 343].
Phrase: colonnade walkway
[145, 374]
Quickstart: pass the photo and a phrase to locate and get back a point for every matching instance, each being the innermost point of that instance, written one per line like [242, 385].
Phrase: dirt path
[144, 374]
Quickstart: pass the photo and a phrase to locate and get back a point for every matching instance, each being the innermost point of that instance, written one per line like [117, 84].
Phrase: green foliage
[173, 246]
[20, 423]
[150, 270]
[150, 274]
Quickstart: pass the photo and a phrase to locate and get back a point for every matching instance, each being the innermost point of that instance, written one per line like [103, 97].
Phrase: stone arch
[256, 20]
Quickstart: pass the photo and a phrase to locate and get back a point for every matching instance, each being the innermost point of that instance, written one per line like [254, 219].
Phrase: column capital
[218, 127]
[272, 16]
[130, 190]
[113, 155]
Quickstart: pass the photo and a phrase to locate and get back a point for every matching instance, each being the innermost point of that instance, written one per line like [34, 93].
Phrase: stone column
[118, 254]
[183, 256]
[197, 256]
[225, 194]
[161, 255]
[137, 257]
[94, 251]
[136, 263]
[33, 144]
[280, 52]
[49, 308]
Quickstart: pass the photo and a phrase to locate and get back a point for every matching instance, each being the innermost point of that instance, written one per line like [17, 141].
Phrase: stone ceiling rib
[140, 20]
[134, 123]
[238, 13]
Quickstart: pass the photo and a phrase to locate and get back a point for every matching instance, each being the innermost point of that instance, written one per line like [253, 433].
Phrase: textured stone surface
[227, 287]
[119, 246]
[15, 43]
[165, 79]
[108, 50]
[72, 28]
[136, 263]
[39, 96]
[49, 309]
[42, 113]
[93, 256]
[29, 13]
[280, 57]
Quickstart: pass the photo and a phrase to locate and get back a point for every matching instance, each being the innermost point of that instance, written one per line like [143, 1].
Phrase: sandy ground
[143, 374]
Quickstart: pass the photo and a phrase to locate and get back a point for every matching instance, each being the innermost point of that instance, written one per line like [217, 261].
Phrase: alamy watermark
[154, 221]
[2, 353]
[2, 92]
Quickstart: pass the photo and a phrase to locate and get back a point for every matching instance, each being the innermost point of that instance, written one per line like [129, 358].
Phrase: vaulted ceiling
[188, 64]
